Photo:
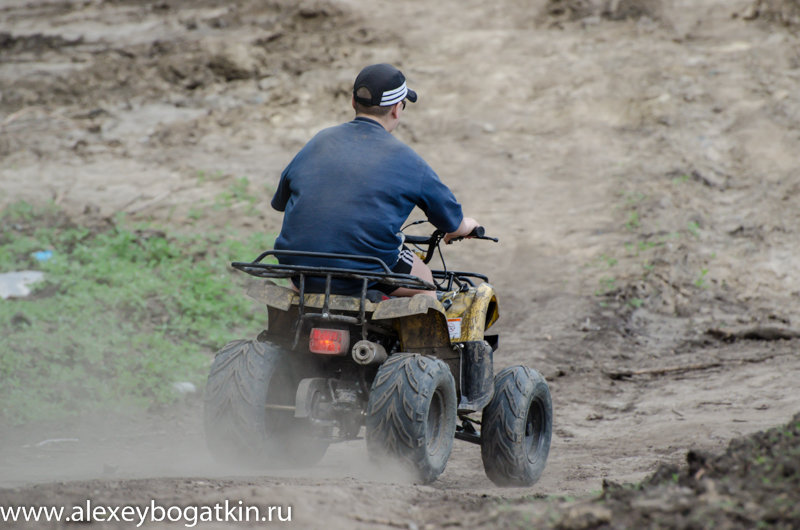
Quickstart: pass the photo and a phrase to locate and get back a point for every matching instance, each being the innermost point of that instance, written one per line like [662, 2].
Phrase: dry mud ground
[637, 160]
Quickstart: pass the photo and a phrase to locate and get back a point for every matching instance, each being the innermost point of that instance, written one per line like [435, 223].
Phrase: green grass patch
[125, 311]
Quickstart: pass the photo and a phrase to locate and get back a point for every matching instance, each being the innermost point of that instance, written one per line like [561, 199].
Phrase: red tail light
[329, 341]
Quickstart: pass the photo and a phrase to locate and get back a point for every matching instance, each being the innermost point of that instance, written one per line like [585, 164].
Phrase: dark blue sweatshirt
[349, 191]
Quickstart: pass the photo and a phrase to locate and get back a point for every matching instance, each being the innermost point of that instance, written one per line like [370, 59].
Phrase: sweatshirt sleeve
[282, 194]
[438, 202]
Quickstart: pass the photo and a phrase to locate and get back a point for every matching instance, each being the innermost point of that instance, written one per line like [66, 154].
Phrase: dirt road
[637, 162]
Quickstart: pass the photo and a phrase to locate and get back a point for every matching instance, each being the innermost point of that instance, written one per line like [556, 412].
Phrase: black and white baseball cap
[386, 85]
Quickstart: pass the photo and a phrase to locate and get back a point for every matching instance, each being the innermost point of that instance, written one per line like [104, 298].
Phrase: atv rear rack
[300, 272]
[283, 270]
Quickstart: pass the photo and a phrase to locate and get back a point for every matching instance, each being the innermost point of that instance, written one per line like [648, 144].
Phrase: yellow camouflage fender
[472, 313]
[419, 320]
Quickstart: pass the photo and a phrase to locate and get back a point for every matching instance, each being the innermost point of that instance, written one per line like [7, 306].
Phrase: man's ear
[396, 110]
[353, 102]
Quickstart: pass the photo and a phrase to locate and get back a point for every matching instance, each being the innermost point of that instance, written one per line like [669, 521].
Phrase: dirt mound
[213, 44]
[182, 59]
[754, 484]
[784, 12]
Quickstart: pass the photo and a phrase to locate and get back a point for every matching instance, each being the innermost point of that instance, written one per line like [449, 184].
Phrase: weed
[205, 176]
[634, 197]
[610, 261]
[682, 179]
[633, 221]
[607, 284]
[197, 212]
[636, 302]
[239, 189]
[649, 245]
[237, 192]
[701, 280]
[694, 228]
[640, 247]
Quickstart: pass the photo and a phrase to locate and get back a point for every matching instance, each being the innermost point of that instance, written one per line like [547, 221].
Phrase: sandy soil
[637, 160]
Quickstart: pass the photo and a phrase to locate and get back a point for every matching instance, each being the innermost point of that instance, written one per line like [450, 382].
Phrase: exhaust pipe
[367, 352]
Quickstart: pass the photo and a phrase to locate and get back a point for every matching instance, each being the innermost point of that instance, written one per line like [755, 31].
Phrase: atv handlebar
[477, 233]
[433, 240]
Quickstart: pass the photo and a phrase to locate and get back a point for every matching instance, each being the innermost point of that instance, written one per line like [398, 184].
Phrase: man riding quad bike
[367, 335]
[415, 372]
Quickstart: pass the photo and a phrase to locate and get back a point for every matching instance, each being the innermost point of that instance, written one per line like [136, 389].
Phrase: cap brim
[411, 96]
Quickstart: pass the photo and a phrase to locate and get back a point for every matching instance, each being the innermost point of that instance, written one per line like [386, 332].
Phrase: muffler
[367, 352]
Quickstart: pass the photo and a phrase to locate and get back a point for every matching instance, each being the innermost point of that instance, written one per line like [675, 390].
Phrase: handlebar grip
[418, 240]
[478, 231]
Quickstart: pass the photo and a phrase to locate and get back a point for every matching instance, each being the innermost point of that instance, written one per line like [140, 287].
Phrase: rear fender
[420, 321]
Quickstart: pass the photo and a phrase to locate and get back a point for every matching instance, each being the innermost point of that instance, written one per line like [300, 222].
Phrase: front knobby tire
[411, 414]
[517, 425]
[247, 375]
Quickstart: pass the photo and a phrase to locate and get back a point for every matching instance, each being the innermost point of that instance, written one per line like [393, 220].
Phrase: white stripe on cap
[391, 97]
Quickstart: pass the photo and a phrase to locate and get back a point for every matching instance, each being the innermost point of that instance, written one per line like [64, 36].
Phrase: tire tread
[396, 415]
[503, 428]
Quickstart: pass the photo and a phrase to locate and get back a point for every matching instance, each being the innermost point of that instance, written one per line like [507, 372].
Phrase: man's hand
[468, 224]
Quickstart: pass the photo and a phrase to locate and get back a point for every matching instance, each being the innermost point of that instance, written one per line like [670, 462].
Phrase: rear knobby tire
[411, 415]
[516, 428]
[245, 376]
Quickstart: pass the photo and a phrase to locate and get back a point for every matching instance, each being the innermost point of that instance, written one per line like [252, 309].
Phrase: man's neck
[385, 122]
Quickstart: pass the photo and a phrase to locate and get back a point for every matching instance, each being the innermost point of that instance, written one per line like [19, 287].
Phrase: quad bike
[415, 372]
